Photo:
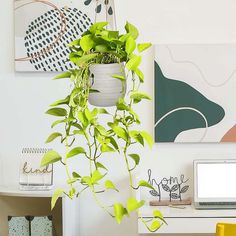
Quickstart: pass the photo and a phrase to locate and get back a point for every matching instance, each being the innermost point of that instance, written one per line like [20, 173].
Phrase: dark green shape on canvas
[172, 94]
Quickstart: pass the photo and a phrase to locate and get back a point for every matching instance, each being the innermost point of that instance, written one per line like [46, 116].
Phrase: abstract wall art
[43, 28]
[195, 93]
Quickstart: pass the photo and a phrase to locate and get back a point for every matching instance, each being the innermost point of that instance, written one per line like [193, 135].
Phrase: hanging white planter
[109, 89]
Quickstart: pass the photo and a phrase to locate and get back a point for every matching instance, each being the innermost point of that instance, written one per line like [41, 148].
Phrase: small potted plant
[105, 54]
[93, 54]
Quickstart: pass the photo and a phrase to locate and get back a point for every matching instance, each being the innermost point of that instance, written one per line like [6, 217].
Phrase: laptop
[215, 184]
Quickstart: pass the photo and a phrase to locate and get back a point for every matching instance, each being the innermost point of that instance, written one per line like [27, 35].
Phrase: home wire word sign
[32, 176]
[174, 187]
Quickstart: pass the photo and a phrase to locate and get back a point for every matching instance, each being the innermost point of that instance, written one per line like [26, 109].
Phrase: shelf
[14, 191]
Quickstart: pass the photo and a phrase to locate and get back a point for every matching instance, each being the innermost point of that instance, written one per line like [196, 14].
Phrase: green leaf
[158, 214]
[101, 130]
[76, 125]
[147, 138]
[88, 114]
[87, 43]
[94, 112]
[138, 96]
[143, 183]
[79, 132]
[101, 48]
[121, 105]
[76, 175]
[140, 74]
[53, 136]
[57, 122]
[132, 30]
[106, 148]
[74, 57]
[144, 46]
[75, 151]
[114, 143]
[135, 115]
[113, 34]
[50, 157]
[155, 226]
[110, 185]
[61, 102]
[133, 63]
[83, 119]
[100, 166]
[119, 77]
[130, 45]
[74, 43]
[119, 212]
[96, 176]
[97, 26]
[75, 97]
[120, 132]
[72, 192]
[72, 181]
[84, 59]
[136, 158]
[103, 111]
[137, 136]
[63, 76]
[86, 180]
[57, 112]
[56, 195]
[124, 37]
[133, 204]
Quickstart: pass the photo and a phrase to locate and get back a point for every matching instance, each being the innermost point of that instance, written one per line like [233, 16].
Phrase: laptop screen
[216, 180]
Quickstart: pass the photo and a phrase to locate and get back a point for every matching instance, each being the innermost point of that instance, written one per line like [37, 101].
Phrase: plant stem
[99, 202]
[95, 151]
[128, 169]
[90, 152]
[65, 161]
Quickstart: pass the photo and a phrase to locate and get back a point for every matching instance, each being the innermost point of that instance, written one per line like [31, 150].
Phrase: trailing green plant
[83, 124]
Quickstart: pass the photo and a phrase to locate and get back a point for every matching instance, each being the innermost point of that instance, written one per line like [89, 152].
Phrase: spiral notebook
[32, 176]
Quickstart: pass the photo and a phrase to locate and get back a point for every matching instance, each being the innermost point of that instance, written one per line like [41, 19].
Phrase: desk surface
[188, 212]
[188, 220]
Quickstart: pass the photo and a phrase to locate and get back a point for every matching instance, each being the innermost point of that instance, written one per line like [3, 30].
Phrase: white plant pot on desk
[110, 89]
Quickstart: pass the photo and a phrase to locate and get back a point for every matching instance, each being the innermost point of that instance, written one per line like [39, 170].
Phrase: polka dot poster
[44, 28]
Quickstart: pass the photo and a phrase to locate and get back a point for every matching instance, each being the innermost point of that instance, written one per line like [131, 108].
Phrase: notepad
[32, 176]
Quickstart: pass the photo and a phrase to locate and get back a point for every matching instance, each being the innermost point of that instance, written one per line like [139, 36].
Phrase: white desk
[70, 213]
[188, 220]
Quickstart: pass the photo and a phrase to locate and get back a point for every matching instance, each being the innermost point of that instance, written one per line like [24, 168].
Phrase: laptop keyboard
[217, 203]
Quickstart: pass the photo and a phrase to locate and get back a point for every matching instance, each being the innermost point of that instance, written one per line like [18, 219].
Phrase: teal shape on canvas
[190, 109]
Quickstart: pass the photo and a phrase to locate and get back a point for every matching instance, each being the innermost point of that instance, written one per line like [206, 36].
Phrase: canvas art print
[44, 28]
[195, 93]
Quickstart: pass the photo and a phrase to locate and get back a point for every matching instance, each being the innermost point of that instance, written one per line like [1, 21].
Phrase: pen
[178, 207]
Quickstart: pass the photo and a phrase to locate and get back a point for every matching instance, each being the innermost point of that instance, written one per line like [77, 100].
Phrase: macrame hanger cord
[107, 14]
[96, 13]
[112, 21]
[114, 12]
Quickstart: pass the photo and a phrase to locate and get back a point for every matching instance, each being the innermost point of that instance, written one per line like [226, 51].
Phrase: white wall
[25, 97]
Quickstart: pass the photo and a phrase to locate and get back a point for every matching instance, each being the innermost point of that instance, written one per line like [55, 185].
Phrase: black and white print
[43, 29]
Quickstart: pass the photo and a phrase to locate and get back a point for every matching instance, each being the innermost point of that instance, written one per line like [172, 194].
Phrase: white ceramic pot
[110, 89]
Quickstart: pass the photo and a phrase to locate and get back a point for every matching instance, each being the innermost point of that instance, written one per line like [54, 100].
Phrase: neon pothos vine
[101, 46]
